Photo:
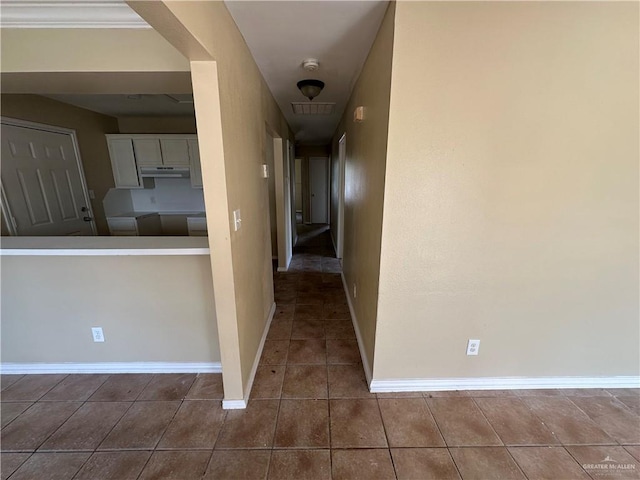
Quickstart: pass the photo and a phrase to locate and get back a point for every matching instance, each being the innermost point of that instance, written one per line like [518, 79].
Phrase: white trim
[501, 383]
[16, 122]
[76, 14]
[234, 404]
[97, 252]
[112, 367]
[241, 404]
[354, 320]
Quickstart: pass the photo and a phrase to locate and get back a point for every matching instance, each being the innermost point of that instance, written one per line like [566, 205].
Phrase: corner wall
[511, 195]
[90, 130]
[366, 145]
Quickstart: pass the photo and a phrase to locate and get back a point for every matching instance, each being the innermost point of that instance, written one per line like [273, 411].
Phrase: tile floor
[310, 415]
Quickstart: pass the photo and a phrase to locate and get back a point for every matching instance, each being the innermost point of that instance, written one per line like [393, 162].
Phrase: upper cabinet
[130, 152]
[175, 151]
[148, 153]
[123, 162]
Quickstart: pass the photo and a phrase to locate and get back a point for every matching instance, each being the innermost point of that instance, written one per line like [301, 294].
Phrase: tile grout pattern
[310, 414]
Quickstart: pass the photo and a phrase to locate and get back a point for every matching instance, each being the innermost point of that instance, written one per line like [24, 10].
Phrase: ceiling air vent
[313, 108]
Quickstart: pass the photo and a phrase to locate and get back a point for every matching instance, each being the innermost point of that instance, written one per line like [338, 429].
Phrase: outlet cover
[98, 335]
[473, 347]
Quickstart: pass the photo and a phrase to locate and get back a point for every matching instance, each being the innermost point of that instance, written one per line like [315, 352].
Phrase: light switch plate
[237, 221]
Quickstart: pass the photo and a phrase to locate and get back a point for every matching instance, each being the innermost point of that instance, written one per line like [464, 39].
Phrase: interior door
[43, 184]
[319, 189]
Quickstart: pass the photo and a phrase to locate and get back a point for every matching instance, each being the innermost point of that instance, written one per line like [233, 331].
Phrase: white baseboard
[501, 383]
[286, 268]
[241, 404]
[111, 367]
[234, 404]
[354, 320]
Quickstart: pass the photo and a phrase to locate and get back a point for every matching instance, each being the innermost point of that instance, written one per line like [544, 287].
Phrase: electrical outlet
[98, 336]
[355, 291]
[473, 347]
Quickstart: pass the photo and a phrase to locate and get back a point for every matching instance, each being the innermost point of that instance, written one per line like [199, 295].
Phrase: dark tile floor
[310, 416]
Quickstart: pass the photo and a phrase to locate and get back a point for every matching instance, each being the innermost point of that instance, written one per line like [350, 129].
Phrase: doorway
[319, 189]
[44, 192]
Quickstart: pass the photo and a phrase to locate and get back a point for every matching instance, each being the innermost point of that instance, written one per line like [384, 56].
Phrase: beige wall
[163, 312]
[90, 129]
[88, 50]
[157, 124]
[77, 61]
[364, 180]
[511, 193]
[242, 107]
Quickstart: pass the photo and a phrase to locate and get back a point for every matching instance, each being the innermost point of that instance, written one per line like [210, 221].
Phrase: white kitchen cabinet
[175, 151]
[147, 151]
[129, 152]
[196, 170]
[135, 225]
[123, 162]
[197, 226]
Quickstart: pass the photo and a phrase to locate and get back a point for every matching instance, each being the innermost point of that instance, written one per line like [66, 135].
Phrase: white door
[319, 186]
[42, 183]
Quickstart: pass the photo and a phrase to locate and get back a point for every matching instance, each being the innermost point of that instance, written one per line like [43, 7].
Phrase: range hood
[165, 172]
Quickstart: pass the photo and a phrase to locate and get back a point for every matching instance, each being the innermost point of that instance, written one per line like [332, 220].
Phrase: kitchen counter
[100, 246]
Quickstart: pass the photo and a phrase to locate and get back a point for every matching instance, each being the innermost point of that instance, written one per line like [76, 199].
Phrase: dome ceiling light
[310, 88]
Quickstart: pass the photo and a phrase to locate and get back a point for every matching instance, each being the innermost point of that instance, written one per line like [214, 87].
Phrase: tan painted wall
[93, 50]
[157, 124]
[164, 312]
[246, 109]
[364, 178]
[511, 194]
[90, 129]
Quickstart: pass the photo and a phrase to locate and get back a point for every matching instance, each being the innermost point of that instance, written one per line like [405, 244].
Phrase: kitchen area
[158, 186]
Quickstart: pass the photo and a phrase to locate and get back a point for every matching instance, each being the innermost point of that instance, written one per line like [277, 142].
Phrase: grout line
[386, 437]
[618, 442]
[487, 420]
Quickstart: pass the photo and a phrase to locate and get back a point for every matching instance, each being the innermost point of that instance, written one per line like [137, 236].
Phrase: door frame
[292, 192]
[15, 122]
[342, 161]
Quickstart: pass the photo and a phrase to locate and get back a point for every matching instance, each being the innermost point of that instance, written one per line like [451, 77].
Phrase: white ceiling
[281, 34]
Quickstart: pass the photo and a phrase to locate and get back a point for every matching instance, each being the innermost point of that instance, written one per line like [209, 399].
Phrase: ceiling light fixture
[310, 88]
